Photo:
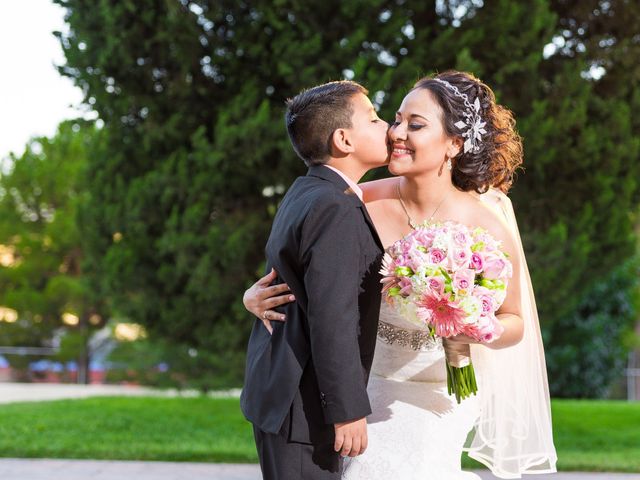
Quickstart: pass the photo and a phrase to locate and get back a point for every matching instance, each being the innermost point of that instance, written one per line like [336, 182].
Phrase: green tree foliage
[192, 94]
[579, 198]
[590, 344]
[40, 194]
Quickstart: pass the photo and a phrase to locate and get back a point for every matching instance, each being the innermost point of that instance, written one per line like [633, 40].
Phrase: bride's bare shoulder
[378, 189]
[488, 211]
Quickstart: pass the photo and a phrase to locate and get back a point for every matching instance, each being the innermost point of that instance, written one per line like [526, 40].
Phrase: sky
[34, 97]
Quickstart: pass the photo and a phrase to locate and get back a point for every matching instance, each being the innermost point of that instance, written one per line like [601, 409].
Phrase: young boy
[305, 380]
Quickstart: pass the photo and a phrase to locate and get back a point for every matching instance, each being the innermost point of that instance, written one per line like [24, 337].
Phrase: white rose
[472, 306]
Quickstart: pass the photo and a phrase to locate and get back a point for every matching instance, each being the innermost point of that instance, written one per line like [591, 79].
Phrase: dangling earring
[446, 159]
[449, 164]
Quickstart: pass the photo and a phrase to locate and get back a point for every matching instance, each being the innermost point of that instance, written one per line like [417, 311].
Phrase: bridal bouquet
[450, 279]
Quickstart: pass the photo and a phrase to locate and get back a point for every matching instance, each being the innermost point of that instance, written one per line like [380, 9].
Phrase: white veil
[513, 433]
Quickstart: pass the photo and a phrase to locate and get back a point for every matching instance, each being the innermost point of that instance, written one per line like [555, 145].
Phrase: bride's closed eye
[412, 126]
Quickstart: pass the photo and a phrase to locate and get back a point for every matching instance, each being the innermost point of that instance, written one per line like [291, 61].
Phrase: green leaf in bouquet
[404, 271]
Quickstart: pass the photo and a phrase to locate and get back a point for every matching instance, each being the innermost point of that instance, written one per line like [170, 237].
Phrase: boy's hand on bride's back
[351, 437]
[261, 298]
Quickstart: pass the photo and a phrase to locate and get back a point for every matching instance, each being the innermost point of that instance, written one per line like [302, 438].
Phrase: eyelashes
[412, 126]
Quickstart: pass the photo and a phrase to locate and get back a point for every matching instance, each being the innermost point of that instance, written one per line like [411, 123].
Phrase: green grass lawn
[597, 436]
[589, 435]
[128, 428]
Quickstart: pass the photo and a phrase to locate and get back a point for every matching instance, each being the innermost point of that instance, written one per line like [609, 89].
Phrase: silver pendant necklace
[412, 222]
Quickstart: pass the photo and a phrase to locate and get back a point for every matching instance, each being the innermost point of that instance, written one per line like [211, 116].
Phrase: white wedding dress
[416, 430]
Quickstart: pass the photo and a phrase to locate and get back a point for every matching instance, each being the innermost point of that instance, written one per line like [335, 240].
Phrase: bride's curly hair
[500, 151]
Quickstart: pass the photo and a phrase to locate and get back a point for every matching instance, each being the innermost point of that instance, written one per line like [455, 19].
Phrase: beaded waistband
[414, 339]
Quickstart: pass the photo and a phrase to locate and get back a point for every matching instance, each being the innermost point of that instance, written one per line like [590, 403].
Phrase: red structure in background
[47, 371]
[5, 370]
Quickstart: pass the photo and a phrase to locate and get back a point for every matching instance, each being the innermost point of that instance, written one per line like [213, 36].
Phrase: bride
[455, 151]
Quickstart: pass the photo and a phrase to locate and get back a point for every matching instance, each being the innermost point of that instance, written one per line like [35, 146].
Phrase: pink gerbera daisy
[446, 318]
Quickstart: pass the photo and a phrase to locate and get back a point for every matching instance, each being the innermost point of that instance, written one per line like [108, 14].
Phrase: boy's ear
[341, 142]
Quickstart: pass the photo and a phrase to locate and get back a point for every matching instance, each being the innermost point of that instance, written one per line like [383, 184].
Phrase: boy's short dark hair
[314, 114]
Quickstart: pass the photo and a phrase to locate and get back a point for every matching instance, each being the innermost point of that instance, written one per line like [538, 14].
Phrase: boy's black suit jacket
[313, 370]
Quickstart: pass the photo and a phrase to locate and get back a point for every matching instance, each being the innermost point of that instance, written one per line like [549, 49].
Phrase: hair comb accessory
[472, 126]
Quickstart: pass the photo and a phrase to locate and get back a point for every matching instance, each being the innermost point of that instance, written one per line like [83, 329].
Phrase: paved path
[18, 469]
[25, 392]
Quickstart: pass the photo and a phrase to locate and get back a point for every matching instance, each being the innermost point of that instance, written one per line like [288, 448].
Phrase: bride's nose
[397, 131]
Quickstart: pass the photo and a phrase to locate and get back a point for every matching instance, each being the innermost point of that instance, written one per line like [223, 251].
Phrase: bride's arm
[513, 331]
[509, 313]
[377, 189]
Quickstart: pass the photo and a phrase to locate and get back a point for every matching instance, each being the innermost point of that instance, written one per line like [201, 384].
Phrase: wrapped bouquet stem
[461, 377]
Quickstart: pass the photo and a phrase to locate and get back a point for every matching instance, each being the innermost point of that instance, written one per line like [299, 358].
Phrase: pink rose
[459, 257]
[495, 267]
[486, 299]
[463, 279]
[436, 255]
[476, 262]
[424, 237]
[487, 329]
[403, 260]
[462, 239]
[491, 333]
[436, 284]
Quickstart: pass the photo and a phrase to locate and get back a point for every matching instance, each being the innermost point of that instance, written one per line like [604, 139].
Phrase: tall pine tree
[192, 95]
